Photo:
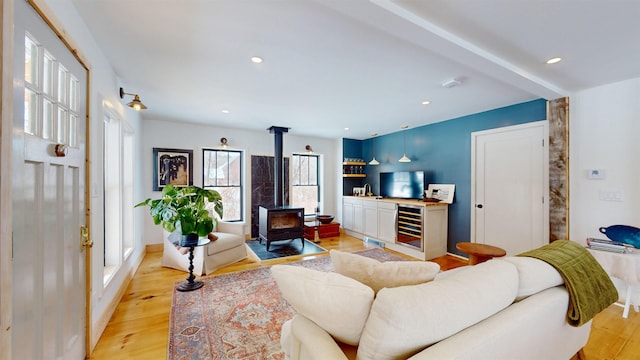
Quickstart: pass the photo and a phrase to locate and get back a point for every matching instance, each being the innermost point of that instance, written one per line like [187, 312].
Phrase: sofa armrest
[231, 228]
[305, 340]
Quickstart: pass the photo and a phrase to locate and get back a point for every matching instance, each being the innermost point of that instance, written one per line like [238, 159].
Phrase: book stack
[608, 245]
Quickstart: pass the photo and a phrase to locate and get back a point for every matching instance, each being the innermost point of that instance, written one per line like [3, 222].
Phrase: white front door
[48, 193]
[509, 179]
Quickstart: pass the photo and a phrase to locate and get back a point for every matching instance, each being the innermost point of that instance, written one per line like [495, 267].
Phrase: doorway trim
[545, 175]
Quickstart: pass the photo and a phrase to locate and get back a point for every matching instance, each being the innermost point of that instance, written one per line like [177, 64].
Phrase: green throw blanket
[590, 288]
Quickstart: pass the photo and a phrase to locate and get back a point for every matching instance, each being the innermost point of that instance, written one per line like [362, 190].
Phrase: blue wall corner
[443, 151]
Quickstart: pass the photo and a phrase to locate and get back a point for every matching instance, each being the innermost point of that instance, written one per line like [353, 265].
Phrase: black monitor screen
[402, 184]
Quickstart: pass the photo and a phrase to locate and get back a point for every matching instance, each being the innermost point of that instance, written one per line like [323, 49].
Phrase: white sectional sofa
[508, 308]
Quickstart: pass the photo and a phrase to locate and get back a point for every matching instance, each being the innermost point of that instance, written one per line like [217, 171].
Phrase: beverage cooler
[409, 226]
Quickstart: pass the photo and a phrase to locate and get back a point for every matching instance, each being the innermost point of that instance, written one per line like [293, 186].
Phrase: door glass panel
[73, 130]
[48, 74]
[47, 119]
[30, 112]
[62, 126]
[62, 85]
[73, 93]
[30, 61]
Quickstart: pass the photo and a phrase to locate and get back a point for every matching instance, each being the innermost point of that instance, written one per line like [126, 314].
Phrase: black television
[402, 184]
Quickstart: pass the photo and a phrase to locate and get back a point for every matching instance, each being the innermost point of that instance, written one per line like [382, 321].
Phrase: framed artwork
[442, 192]
[172, 166]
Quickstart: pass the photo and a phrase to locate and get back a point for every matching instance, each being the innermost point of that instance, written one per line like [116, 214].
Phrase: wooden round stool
[480, 252]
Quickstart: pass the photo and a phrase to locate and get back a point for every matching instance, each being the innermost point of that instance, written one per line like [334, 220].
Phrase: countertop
[397, 200]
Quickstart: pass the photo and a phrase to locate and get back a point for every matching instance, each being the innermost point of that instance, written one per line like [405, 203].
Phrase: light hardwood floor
[139, 327]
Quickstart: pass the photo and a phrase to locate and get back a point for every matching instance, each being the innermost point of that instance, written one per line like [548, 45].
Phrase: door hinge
[542, 142]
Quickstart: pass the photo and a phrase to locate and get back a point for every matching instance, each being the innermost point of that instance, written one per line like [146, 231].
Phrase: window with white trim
[117, 154]
[222, 171]
[305, 188]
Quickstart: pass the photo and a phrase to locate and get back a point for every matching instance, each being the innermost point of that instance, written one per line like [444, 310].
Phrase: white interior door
[510, 187]
[48, 193]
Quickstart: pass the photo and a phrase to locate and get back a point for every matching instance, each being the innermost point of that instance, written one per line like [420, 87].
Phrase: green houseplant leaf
[185, 208]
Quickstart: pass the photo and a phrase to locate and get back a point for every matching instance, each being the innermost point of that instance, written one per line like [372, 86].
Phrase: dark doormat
[283, 248]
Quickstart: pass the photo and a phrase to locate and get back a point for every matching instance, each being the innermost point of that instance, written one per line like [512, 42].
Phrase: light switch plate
[596, 174]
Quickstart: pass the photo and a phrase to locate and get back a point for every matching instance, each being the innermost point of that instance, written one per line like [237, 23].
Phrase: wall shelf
[354, 175]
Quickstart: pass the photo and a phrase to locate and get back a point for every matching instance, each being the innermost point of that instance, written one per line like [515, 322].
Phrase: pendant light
[404, 158]
[374, 161]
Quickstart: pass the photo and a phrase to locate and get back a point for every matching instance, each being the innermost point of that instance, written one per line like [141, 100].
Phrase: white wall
[167, 134]
[604, 134]
[103, 93]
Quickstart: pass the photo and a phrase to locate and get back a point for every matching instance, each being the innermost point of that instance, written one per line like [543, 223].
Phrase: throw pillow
[334, 302]
[378, 275]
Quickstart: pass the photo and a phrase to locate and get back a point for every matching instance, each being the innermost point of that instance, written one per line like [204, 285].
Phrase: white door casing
[49, 270]
[509, 192]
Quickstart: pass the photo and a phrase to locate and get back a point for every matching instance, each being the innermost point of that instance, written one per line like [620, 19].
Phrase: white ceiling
[365, 65]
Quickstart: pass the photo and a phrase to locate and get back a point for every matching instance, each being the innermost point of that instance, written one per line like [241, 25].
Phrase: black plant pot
[189, 240]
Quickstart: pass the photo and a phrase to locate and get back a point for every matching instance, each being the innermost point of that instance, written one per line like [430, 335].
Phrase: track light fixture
[136, 104]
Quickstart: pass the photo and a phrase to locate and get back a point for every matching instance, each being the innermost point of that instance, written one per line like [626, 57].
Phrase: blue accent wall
[443, 151]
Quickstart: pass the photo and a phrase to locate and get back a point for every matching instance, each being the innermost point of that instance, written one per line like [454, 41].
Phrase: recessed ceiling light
[346, 129]
[256, 59]
[225, 111]
[426, 102]
[554, 60]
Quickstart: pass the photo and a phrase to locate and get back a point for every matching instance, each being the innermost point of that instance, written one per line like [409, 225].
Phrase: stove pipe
[278, 165]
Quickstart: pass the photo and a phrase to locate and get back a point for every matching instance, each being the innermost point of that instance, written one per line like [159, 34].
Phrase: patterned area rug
[283, 248]
[237, 315]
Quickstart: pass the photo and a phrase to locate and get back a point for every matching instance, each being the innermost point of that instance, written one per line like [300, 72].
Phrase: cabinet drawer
[351, 200]
[386, 205]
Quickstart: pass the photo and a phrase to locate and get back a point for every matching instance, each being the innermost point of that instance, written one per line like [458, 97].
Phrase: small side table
[310, 230]
[190, 284]
[328, 230]
[479, 253]
[625, 267]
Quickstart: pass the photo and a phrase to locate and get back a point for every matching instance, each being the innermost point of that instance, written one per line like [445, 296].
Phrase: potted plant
[185, 209]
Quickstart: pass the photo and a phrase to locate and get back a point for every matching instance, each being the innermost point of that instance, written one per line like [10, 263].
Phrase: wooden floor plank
[139, 326]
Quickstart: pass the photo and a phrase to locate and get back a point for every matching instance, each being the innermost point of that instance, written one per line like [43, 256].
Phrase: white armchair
[229, 248]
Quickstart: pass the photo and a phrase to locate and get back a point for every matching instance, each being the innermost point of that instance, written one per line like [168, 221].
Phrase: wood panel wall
[558, 117]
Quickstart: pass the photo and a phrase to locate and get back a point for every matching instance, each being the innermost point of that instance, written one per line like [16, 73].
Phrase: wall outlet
[610, 195]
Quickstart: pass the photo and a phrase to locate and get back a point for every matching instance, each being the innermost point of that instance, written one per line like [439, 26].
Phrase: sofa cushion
[378, 275]
[535, 275]
[336, 303]
[224, 242]
[406, 319]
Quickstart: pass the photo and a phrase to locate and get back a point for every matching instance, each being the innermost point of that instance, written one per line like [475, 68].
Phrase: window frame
[241, 186]
[118, 145]
[295, 182]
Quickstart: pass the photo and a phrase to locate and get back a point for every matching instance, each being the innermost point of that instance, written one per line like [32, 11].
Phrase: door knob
[479, 206]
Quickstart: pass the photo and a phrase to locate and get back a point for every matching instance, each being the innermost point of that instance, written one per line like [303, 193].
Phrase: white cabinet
[436, 220]
[352, 216]
[357, 218]
[387, 221]
[377, 219]
[370, 218]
